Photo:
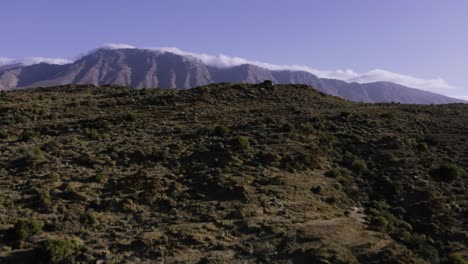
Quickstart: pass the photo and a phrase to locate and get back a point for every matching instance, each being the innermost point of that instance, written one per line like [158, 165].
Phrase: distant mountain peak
[168, 68]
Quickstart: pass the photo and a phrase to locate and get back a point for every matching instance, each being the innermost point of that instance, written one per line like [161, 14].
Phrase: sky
[419, 43]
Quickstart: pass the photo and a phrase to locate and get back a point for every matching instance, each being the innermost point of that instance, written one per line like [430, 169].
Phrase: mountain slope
[141, 68]
[229, 173]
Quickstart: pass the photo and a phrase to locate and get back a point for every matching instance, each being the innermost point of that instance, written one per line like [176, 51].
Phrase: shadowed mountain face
[141, 68]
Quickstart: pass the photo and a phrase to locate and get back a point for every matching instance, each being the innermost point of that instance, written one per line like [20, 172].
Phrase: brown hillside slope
[229, 173]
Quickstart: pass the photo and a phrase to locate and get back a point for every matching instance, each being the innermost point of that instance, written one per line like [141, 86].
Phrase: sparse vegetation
[266, 173]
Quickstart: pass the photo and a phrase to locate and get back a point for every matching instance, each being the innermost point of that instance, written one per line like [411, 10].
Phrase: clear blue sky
[422, 38]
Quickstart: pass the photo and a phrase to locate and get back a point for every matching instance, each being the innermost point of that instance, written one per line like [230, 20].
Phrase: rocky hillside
[140, 68]
[229, 173]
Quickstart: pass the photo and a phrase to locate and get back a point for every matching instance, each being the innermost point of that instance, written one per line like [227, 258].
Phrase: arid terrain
[229, 173]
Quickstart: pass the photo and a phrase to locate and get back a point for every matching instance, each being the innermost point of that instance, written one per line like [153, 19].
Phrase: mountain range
[143, 68]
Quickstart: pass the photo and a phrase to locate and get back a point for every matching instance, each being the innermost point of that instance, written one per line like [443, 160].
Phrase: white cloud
[463, 97]
[33, 60]
[113, 46]
[407, 80]
[5, 61]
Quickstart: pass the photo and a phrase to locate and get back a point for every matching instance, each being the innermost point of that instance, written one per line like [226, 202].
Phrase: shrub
[100, 178]
[202, 131]
[26, 228]
[90, 218]
[267, 158]
[359, 166]
[326, 140]
[429, 253]
[380, 223]
[92, 134]
[44, 197]
[345, 115]
[387, 115]
[287, 128]
[159, 154]
[59, 250]
[333, 173]
[456, 258]
[243, 142]
[447, 172]
[33, 156]
[316, 189]
[423, 147]
[29, 134]
[3, 134]
[130, 117]
[267, 83]
[400, 234]
[221, 131]
[331, 200]
[420, 244]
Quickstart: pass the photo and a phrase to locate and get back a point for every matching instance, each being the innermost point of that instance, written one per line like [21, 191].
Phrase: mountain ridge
[142, 68]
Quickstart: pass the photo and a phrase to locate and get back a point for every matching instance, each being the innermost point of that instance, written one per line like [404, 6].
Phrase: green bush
[388, 115]
[316, 189]
[203, 131]
[456, 258]
[29, 135]
[57, 251]
[220, 131]
[267, 83]
[33, 156]
[359, 166]
[26, 228]
[100, 177]
[130, 117]
[3, 134]
[44, 197]
[345, 115]
[267, 158]
[159, 154]
[92, 134]
[243, 142]
[421, 245]
[333, 173]
[400, 234]
[447, 172]
[379, 223]
[423, 147]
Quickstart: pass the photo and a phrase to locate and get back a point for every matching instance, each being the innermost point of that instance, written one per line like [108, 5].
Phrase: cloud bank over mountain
[33, 60]
[348, 75]
[437, 85]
